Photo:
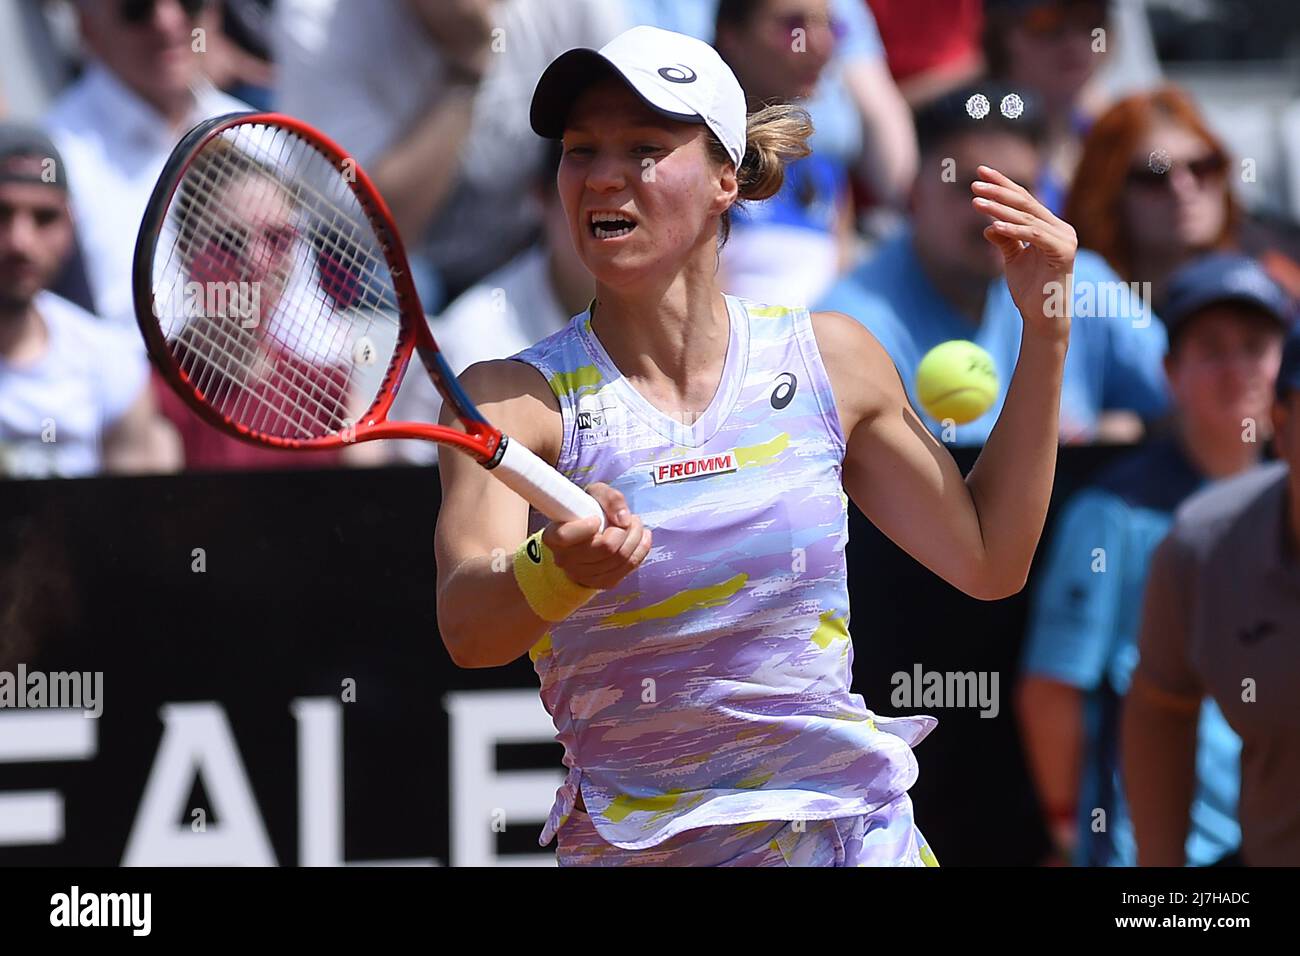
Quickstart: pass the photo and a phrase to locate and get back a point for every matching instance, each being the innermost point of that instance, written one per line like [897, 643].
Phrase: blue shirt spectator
[1225, 320]
[1116, 344]
[1083, 632]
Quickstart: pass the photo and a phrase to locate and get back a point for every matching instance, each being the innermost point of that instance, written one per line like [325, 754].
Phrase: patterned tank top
[712, 685]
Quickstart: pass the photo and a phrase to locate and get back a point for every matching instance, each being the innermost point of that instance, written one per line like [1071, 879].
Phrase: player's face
[149, 43]
[1224, 368]
[949, 231]
[781, 52]
[35, 237]
[1175, 198]
[623, 161]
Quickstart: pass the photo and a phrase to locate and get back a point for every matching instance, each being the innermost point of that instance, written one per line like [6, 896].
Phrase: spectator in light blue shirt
[940, 279]
[1226, 320]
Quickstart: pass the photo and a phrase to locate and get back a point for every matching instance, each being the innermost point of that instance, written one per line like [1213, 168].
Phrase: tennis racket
[274, 296]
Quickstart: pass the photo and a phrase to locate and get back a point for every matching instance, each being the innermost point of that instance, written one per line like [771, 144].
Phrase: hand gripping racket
[274, 296]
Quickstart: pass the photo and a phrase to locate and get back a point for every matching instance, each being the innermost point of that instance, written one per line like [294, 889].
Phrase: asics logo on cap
[681, 73]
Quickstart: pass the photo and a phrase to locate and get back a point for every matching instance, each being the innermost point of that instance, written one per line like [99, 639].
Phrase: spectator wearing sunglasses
[116, 126]
[1046, 47]
[1152, 192]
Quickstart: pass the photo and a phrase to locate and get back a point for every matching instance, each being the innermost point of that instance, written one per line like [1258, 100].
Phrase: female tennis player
[694, 652]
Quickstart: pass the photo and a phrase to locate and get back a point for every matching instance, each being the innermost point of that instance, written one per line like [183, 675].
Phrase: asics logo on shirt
[783, 393]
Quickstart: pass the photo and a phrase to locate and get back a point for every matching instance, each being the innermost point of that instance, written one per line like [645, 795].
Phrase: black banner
[274, 690]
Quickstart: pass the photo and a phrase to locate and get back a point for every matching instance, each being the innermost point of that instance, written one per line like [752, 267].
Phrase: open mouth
[609, 225]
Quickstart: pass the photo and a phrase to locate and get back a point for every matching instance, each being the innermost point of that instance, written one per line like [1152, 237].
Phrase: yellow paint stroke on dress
[541, 648]
[742, 830]
[763, 454]
[769, 311]
[928, 857]
[572, 383]
[830, 628]
[623, 805]
[709, 596]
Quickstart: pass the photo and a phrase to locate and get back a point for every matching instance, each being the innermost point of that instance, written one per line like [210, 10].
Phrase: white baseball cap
[676, 75]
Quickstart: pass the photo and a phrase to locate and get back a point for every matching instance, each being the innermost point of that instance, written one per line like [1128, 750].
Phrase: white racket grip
[543, 487]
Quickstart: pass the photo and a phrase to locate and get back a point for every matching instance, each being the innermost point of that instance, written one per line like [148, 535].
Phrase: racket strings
[278, 395]
[271, 287]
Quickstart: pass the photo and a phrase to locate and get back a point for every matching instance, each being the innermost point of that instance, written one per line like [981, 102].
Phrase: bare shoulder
[515, 397]
[862, 375]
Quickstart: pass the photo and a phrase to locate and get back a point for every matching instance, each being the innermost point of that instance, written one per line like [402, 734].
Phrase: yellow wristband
[550, 592]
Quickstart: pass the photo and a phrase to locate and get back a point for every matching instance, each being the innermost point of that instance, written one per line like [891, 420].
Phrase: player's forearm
[483, 616]
[1011, 483]
[1158, 750]
[416, 175]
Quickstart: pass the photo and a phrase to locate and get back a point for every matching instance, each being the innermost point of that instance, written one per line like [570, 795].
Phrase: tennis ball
[957, 380]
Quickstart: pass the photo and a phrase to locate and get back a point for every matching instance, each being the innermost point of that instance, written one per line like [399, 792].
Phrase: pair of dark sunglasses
[136, 12]
[1203, 169]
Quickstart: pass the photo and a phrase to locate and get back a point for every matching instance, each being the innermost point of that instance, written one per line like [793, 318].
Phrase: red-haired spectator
[1152, 192]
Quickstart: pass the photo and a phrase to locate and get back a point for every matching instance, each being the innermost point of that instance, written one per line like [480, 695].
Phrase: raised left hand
[1037, 251]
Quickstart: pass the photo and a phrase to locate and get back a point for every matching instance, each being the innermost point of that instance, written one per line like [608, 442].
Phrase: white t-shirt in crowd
[54, 411]
[377, 73]
[115, 146]
[511, 309]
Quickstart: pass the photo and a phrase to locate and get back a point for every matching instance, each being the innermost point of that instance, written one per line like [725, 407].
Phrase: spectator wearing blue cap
[1221, 619]
[1226, 320]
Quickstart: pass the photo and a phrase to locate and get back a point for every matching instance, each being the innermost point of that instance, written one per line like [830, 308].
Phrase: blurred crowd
[1183, 297]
